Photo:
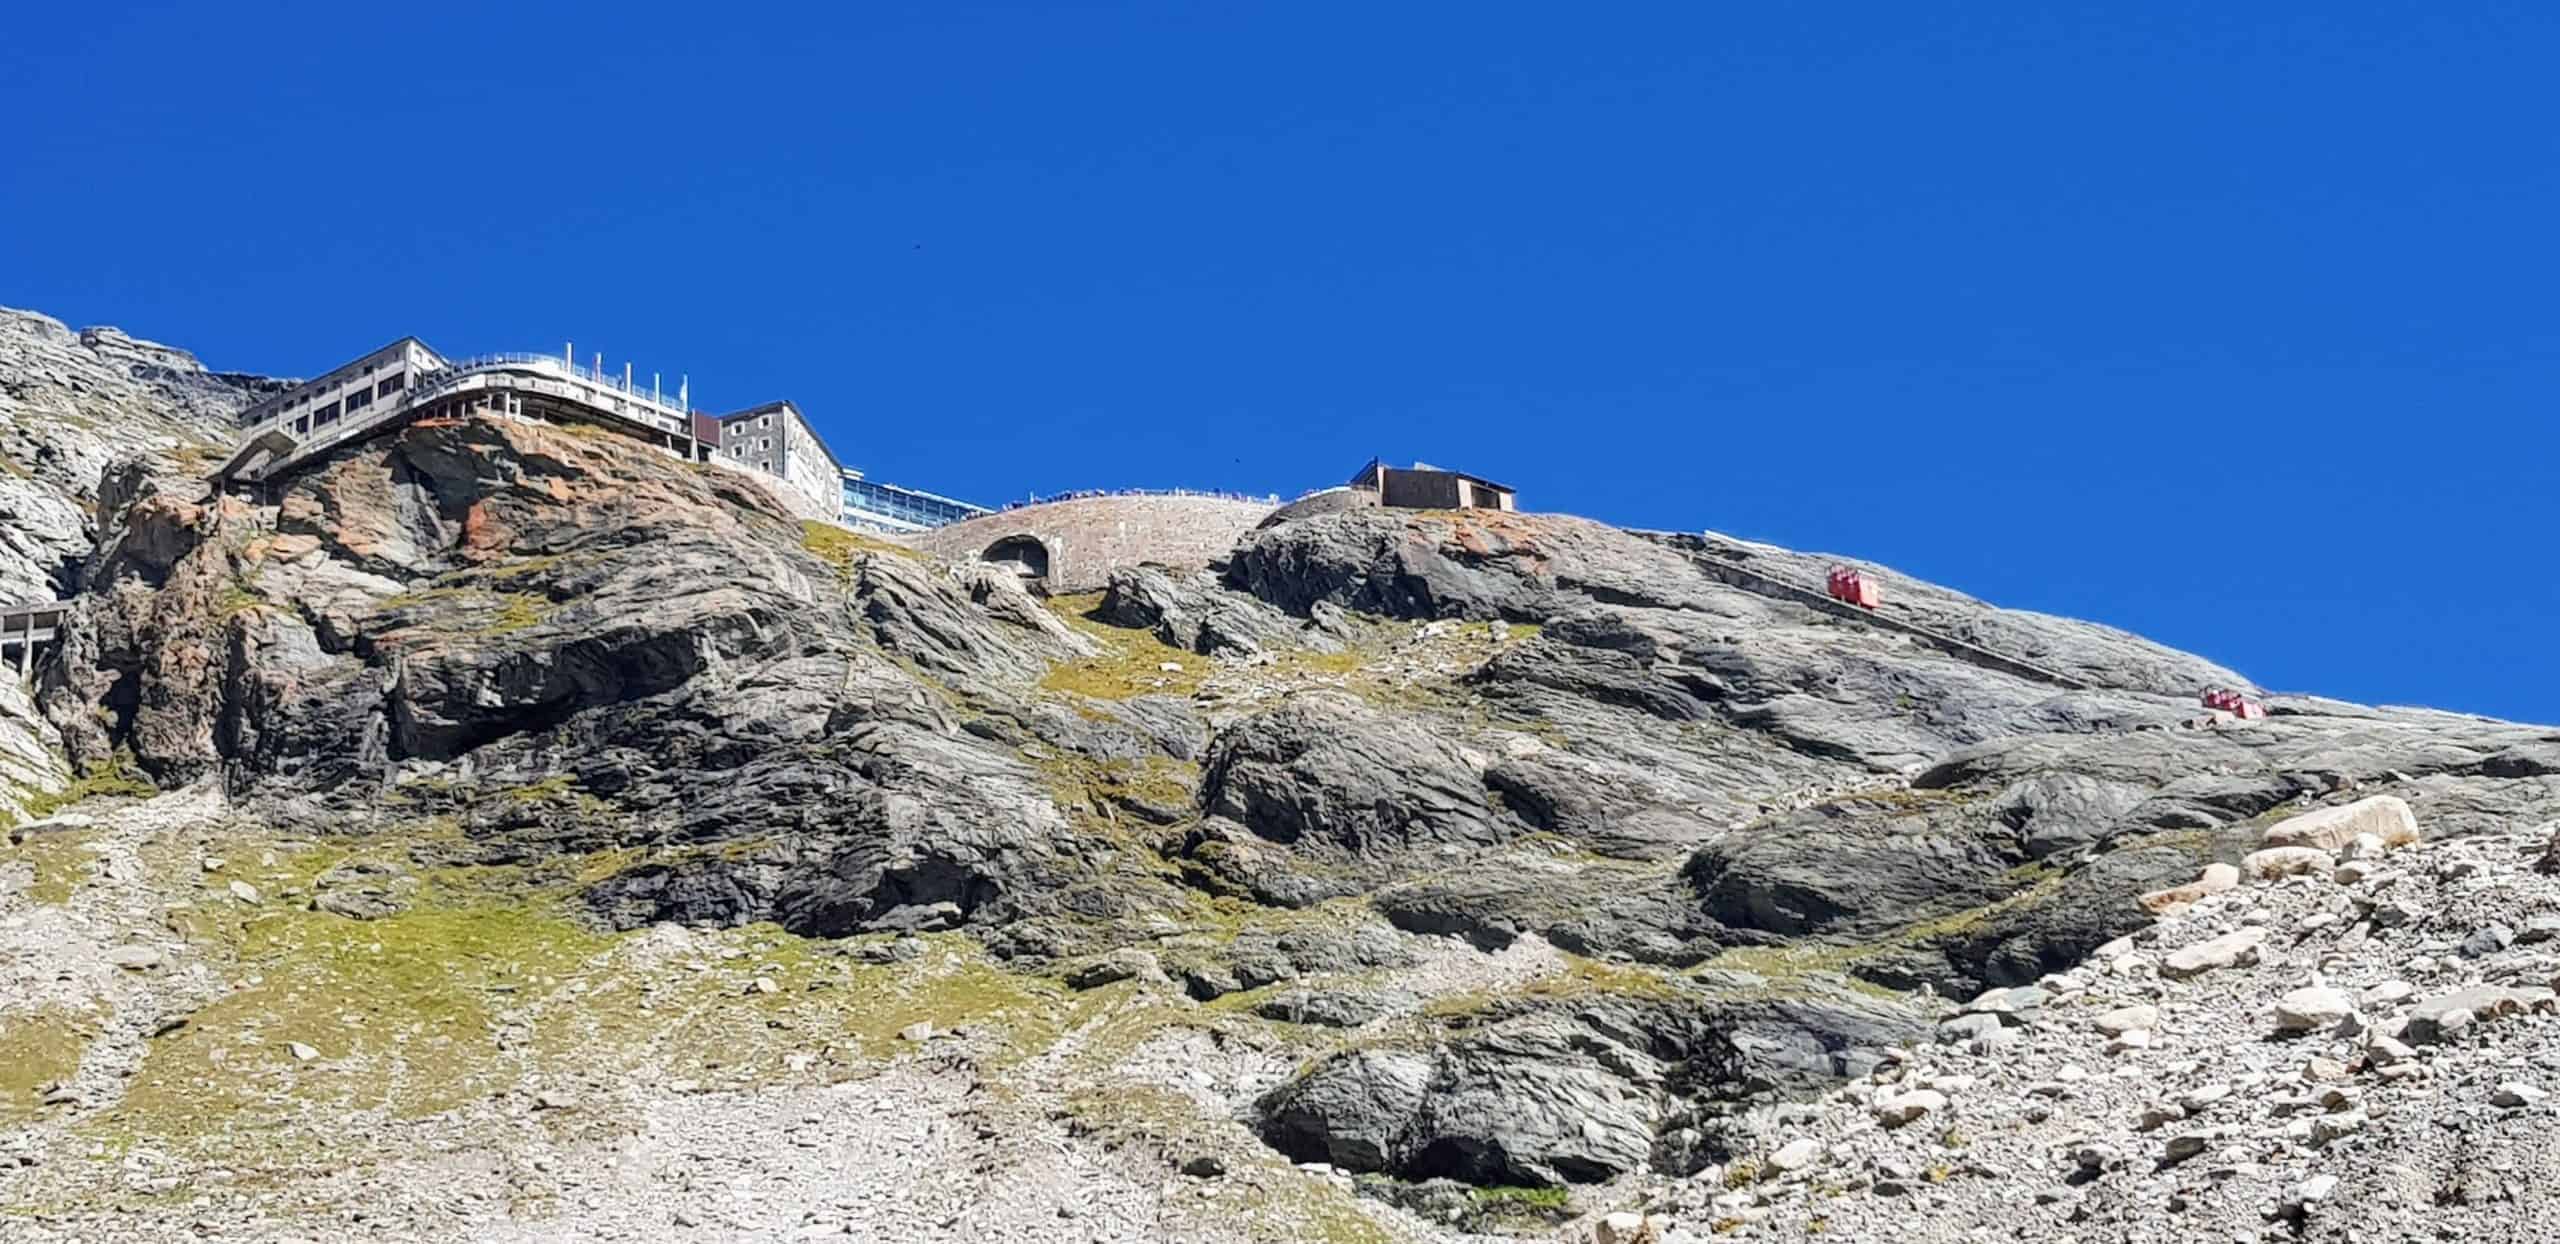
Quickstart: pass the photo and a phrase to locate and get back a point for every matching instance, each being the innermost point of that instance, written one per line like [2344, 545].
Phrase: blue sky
[2233, 325]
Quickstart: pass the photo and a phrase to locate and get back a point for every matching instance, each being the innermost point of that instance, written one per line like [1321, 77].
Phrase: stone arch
[1025, 554]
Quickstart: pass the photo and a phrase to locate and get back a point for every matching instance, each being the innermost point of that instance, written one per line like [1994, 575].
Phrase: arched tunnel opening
[1023, 555]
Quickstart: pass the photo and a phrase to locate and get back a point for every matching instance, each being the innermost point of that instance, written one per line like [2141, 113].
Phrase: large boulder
[1575, 1090]
[2386, 817]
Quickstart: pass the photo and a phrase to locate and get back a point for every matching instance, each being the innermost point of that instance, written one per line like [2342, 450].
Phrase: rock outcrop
[1571, 847]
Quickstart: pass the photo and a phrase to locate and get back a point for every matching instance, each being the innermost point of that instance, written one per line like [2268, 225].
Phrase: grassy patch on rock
[470, 612]
[491, 987]
[1133, 662]
[2036, 883]
[59, 863]
[39, 1049]
[117, 776]
[843, 549]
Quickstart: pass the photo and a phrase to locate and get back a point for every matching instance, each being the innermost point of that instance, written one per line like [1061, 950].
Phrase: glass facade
[868, 503]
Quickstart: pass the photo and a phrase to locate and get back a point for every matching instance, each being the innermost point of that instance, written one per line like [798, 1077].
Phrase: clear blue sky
[2231, 324]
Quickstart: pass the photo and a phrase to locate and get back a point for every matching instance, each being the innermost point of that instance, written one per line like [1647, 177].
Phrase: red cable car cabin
[1850, 587]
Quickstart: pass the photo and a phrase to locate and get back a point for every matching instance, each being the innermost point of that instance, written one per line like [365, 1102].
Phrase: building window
[392, 385]
[765, 422]
[326, 414]
[358, 400]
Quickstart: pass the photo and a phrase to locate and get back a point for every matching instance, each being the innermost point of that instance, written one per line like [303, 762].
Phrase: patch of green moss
[1132, 661]
[1504, 1198]
[845, 549]
[39, 1049]
[1780, 962]
[473, 611]
[1581, 978]
[60, 862]
[117, 776]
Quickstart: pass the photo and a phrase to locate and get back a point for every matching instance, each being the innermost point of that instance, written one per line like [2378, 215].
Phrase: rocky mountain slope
[559, 841]
[70, 404]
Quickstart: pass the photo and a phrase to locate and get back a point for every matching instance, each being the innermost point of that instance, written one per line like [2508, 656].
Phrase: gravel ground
[964, 1134]
[2140, 1098]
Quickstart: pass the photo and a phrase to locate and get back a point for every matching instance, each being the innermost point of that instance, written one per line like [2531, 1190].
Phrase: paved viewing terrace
[541, 383]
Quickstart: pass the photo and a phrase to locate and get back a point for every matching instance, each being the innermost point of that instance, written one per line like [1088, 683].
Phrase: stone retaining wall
[1089, 537]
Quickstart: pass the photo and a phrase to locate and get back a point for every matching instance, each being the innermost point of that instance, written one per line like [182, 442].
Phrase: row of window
[870, 498]
[356, 400]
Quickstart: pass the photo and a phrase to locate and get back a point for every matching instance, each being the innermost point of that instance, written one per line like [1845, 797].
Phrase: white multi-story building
[776, 438]
[360, 390]
[406, 381]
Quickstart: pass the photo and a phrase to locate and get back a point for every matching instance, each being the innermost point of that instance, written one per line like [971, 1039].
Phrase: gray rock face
[1193, 615]
[1569, 1092]
[1848, 867]
[443, 600]
[1328, 773]
[567, 645]
[70, 403]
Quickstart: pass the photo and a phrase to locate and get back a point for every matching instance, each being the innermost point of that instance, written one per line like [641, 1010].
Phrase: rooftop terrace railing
[1081, 494]
[455, 371]
[458, 369]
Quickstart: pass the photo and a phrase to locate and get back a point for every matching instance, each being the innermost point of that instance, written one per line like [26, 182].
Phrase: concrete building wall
[1089, 537]
[776, 439]
[351, 389]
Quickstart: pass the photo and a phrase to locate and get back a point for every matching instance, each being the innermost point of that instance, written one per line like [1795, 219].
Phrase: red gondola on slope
[1853, 588]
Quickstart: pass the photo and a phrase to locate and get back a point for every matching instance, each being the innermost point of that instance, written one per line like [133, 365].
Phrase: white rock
[2216, 879]
[2329, 1127]
[921, 1030]
[2235, 947]
[301, 1053]
[2126, 1019]
[1625, 1227]
[1903, 1108]
[2312, 1008]
[2384, 1051]
[1795, 1155]
[2385, 993]
[135, 958]
[763, 984]
[2314, 1190]
[244, 891]
[2517, 1095]
[2386, 817]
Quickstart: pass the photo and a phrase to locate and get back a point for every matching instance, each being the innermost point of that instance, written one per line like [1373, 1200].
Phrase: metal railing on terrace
[455, 372]
[459, 369]
[1081, 494]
